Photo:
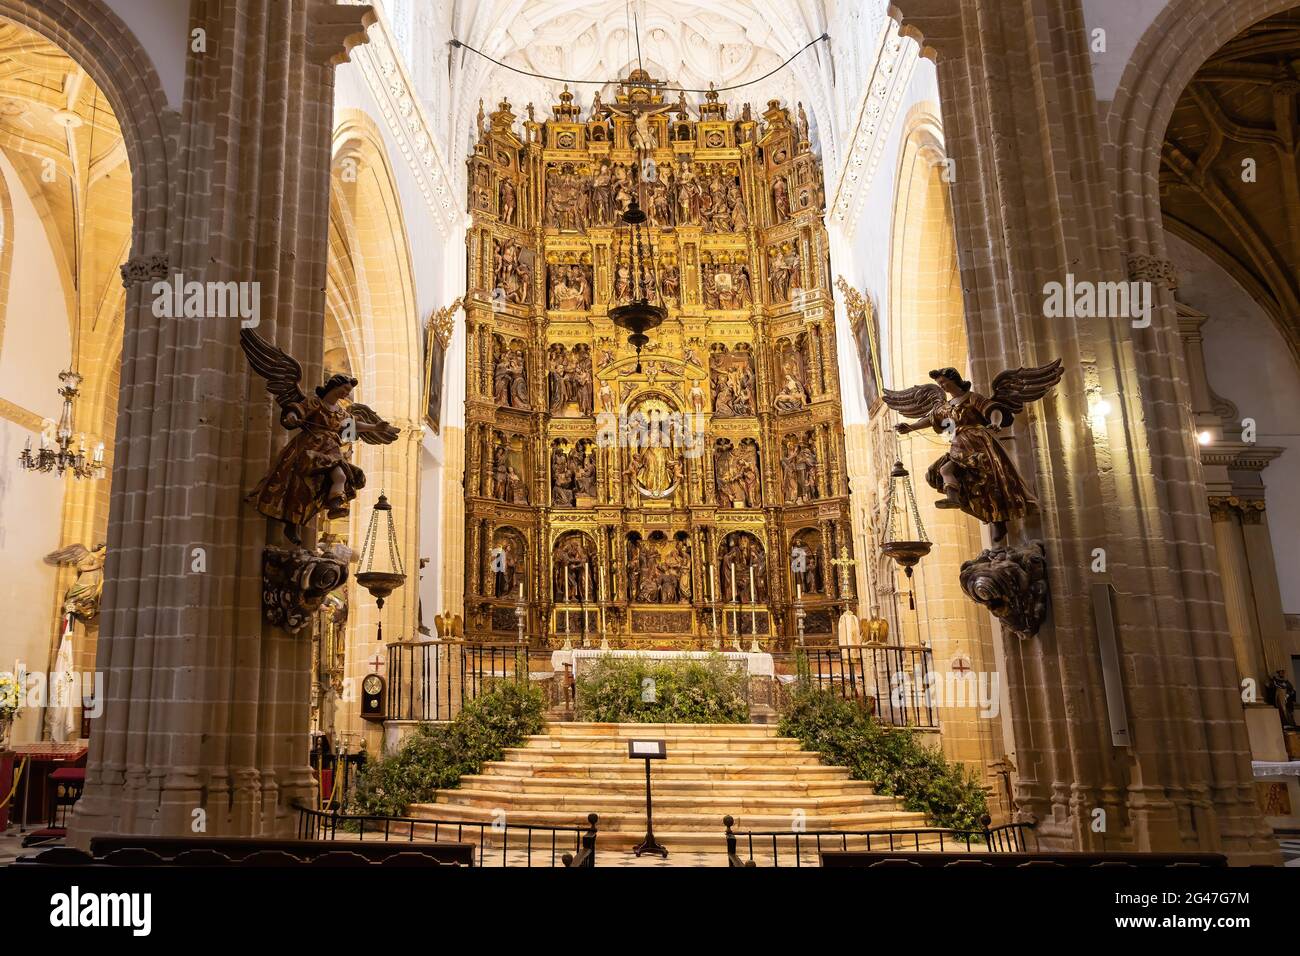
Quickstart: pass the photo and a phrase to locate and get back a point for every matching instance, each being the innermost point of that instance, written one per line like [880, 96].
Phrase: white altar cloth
[758, 665]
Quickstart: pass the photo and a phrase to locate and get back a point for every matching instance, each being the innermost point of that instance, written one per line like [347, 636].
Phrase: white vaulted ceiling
[690, 44]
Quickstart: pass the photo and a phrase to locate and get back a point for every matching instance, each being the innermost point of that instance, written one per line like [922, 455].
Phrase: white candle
[566, 584]
[99, 452]
[798, 591]
[753, 599]
[713, 585]
[735, 595]
[521, 590]
[586, 582]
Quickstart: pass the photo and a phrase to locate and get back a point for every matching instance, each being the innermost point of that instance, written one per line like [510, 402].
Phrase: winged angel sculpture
[82, 598]
[975, 474]
[312, 472]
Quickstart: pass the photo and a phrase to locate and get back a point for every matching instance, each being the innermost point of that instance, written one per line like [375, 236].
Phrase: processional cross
[844, 562]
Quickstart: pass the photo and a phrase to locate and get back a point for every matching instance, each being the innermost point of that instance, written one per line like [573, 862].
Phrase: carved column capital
[146, 268]
[1247, 510]
[1144, 268]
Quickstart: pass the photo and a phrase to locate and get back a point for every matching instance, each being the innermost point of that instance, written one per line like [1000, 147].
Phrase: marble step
[728, 744]
[599, 801]
[632, 822]
[595, 775]
[656, 731]
[521, 783]
[607, 755]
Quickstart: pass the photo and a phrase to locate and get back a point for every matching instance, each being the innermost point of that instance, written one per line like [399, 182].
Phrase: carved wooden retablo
[659, 508]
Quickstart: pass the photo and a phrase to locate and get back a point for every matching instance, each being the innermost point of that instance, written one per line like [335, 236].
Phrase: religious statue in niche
[794, 389]
[510, 377]
[573, 473]
[602, 195]
[655, 469]
[508, 202]
[733, 384]
[670, 285]
[806, 562]
[659, 570]
[736, 474]
[780, 200]
[81, 600]
[799, 470]
[784, 272]
[659, 201]
[507, 483]
[742, 569]
[507, 563]
[690, 195]
[975, 474]
[512, 272]
[569, 288]
[313, 471]
[571, 560]
[726, 285]
[568, 199]
[570, 382]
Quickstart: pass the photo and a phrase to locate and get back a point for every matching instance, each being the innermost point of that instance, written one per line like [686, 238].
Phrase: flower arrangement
[9, 696]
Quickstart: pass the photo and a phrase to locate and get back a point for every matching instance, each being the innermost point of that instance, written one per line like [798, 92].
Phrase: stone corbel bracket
[296, 582]
[335, 30]
[1012, 584]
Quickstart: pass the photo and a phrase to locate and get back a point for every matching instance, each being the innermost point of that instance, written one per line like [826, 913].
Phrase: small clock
[372, 697]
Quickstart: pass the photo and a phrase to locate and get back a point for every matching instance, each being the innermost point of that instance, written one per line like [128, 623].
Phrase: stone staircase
[746, 770]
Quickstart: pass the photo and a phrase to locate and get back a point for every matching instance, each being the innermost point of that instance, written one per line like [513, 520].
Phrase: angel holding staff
[313, 471]
[975, 474]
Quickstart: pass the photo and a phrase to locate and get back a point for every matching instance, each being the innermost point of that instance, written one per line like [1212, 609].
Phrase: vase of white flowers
[8, 706]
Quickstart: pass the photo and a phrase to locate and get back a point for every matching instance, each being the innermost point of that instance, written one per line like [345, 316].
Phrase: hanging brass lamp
[380, 575]
[905, 540]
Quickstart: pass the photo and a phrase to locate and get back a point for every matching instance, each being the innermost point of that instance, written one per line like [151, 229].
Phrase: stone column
[1234, 574]
[206, 717]
[1263, 579]
[1034, 202]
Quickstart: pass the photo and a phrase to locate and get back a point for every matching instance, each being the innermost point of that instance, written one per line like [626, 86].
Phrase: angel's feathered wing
[917, 401]
[385, 435]
[1016, 388]
[282, 372]
[67, 557]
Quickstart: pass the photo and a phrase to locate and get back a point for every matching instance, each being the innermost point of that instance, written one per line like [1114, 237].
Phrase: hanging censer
[378, 576]
[905, 541]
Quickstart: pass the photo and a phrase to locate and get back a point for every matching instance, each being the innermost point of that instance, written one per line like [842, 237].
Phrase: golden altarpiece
[688, 496]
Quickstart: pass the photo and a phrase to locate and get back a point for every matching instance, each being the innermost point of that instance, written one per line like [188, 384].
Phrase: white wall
[1249, 364]
[34, 349]
[162, 28]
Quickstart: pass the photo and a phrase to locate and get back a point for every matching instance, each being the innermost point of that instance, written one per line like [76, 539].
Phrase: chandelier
[636, 276]
[61, 457]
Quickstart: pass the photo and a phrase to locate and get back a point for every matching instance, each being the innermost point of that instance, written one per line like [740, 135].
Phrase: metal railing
[433, 680]
[890, 679]
[804, 847]
[499, 843]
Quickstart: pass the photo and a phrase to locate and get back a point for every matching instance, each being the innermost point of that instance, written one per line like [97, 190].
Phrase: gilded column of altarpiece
[735, 457]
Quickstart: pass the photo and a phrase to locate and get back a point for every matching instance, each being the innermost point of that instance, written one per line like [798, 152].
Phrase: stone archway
[370, 292]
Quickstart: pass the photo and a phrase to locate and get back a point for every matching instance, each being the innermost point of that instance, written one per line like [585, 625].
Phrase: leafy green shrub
[846, 735]
[436, 756]
[709, 691]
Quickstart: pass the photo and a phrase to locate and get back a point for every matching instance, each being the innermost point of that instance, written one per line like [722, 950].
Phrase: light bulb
[1205, 438]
